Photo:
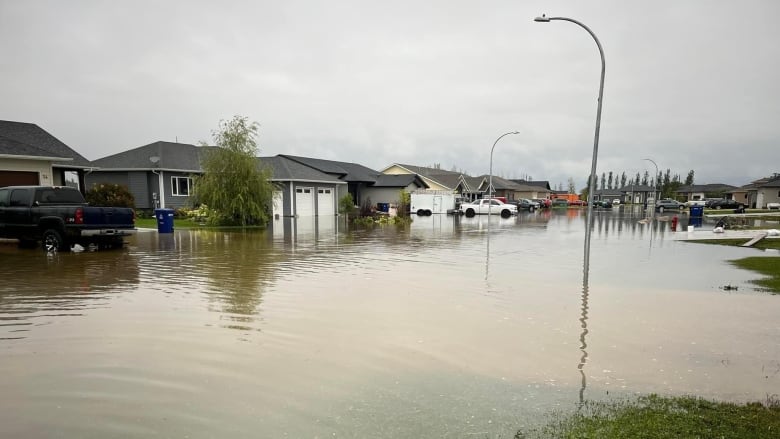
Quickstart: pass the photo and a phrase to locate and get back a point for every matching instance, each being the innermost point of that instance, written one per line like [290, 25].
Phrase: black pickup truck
[58, 216]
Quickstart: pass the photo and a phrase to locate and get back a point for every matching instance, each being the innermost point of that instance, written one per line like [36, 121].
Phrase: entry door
[325, 202]
[304, 201]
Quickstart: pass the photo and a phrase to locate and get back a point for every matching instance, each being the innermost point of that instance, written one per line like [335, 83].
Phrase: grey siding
[138, 183]
[174, 201]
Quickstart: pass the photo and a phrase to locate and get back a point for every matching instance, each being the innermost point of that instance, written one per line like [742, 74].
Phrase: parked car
[526, 204]
[724, 203]
[543, 202]
[603, 204]
[771, 206]
[488, 206]
[560, 202]
[576, 203]
[668, 204]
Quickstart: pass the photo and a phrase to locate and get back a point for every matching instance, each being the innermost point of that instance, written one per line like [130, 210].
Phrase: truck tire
[428, 212]
[661, 209]
[469, 213]
[52, 240]
[506, 213]
[420, 212]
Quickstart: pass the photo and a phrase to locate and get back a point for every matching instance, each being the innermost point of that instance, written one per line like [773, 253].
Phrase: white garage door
[304, 201]
[325, 202]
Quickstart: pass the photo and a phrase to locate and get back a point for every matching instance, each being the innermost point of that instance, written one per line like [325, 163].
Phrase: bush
[110, 195]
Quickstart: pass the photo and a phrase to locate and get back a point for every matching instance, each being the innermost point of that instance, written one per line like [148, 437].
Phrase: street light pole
[490, 176]
[592, 183]
[655, 189]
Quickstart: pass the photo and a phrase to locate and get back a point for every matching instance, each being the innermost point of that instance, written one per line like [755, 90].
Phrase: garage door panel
[325, 202]
[18, 178]
[304, 201]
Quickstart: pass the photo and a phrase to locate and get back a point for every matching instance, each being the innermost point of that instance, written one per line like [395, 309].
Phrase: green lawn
[766, 265]
[663, 417]
[151, 223]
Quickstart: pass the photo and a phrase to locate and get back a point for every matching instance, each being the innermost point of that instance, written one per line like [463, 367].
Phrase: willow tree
[233, 183]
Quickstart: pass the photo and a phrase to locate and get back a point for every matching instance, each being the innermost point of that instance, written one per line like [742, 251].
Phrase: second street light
[592, 183]
[655, 189]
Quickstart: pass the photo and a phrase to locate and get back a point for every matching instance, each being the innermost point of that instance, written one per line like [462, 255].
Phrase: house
[637, 193]
[357, 177]
[702, 191]
[387, 188]
[543, 187]
[158, 174]
[758, 193]
[302, 191]
[436, 179]
[29, 155]
[515, 191]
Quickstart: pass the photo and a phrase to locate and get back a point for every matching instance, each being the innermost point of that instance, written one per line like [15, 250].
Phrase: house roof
[349, 172]
[540, 183]
[399, 181]
[612, 192]
[284, 169]
[171, 156]
[30, 140]
[712, 187]
[635, 188]
[472, 184]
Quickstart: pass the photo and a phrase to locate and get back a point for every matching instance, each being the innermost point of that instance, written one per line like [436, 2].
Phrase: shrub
[110, 195]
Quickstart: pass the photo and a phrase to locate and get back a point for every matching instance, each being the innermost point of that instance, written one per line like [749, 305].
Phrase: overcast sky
[689, 84]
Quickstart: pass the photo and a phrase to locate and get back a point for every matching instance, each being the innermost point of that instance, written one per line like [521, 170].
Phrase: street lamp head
[542, 19]
[515, 132]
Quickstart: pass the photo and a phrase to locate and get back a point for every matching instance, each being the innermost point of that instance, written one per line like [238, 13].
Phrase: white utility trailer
[432, 202]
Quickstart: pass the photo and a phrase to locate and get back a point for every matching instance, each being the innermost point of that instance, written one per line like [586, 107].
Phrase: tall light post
[490, 176]
[655, 189]
[592, 183]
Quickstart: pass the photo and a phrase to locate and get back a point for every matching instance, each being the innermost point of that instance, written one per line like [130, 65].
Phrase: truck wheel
[420, 212]
[661, 209]
[469, 213]
[52, 240]
[505, 213]
[428, 212]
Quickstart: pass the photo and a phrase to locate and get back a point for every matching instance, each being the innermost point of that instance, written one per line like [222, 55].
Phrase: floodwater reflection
[313, 328]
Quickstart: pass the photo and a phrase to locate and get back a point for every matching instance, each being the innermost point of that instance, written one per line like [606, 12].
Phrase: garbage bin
[697, 215]
[164, 220]
[383, 207]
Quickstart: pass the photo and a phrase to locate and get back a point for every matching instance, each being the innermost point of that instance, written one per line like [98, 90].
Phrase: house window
[180, 186]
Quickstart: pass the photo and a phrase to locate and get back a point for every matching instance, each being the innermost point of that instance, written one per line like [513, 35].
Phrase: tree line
[665, 182]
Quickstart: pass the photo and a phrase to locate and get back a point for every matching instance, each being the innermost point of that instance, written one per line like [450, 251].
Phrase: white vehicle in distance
[771, 206]
[695, 203]
[616, 201]
[488, 206]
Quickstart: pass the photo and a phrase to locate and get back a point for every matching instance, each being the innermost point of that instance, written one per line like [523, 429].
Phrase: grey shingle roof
[350, 172]
[20, 138]
[400, 180]
[172, 156]
[284, 169]
[428, 172]
[713, 187]
[539, 183]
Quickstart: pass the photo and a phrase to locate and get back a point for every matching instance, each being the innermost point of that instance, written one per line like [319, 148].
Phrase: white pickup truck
[488, 206]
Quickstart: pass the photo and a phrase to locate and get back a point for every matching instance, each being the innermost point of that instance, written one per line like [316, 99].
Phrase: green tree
[609, 180]
[233, 183]
[346, 206]
[110, 195]
[623, 179]
[689, 178]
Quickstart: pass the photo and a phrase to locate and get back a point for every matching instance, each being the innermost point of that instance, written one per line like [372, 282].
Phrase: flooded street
[440, 329]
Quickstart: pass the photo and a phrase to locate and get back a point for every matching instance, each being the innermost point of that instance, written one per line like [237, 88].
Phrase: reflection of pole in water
[487, 252]
[584, 316]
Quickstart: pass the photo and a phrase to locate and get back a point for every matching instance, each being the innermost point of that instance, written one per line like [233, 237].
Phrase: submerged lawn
[661, 417]
[766, 265]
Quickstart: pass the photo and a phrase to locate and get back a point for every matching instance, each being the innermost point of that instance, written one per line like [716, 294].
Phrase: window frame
[175, 186]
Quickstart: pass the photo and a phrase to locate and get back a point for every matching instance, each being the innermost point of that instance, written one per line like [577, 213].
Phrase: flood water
[450, 327]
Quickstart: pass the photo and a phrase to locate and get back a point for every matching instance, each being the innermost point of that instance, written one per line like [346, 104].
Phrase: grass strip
[655, 416]
[766, 265]
[769, 243]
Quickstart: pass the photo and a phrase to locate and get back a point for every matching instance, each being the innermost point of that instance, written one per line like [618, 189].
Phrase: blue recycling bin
[697, 215]
[164, 220]
[383, 207]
